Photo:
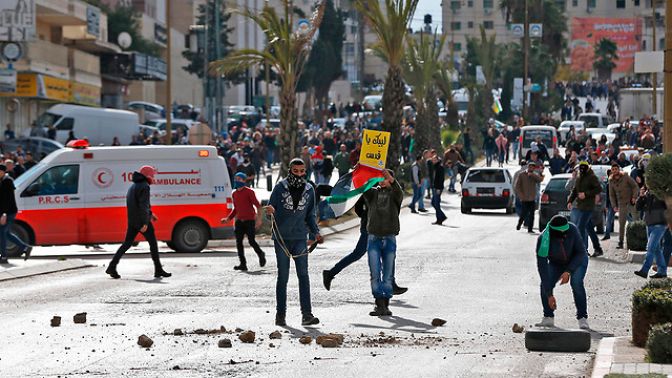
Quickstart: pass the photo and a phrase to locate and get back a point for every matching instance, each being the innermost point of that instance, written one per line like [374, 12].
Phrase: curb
[52, 267]
[604, 357]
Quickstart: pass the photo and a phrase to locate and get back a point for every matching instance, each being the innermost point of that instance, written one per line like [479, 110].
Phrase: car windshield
[486, 176]
[530, 136]
[47, 119]
[556, 185]
[590, 120]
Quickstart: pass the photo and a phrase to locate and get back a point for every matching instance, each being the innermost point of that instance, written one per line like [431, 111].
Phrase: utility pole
[526, 53]
[206, 63]
[218, 53]
[667, 129]
[169, 94]
[654, 75]
[267, 70]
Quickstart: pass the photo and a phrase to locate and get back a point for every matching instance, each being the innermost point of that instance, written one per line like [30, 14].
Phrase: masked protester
[586, 188]
[244, 204]
[292, 205]
[562, 257]
[140, 218]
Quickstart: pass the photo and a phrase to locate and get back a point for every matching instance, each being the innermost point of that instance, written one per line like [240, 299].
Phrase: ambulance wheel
[23, 234]
[190, 236]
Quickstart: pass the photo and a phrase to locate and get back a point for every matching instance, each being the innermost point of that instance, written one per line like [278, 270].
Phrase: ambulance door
[53, 204]
[105, 199]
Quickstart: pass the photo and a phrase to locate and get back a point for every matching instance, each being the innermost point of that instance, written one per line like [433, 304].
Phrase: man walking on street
[292, 208]
[8, 209]
[342, 161]
[140, 218]
[437, 189]
[623, 192]
[416, 183]
[656, 226]
[248, 219]
[526, 190]
[586, 188]
[383, 203]
[450, 159]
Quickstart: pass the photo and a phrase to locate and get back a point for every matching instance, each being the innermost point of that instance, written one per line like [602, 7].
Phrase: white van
[528, 134]
[78, 196]
[594, 120]
[99, 126]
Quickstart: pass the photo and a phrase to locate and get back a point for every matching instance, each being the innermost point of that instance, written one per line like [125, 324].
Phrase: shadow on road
[152, 281]
[400, 324]
[136, 255]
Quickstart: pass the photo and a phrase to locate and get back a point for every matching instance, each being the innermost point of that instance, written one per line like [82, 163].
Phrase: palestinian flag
[349, 188]
[496, 106]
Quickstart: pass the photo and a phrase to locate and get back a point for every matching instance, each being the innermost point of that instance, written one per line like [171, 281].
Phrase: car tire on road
[22, 233]
[190, 236]
[510, 210]
[557, 340]
[465, 210]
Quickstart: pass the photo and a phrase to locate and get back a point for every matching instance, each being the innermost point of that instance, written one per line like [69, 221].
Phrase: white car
[175, 124]
[487, 188]
[613, 127]
[152, 111]
[594, 120]
[565, 126]
[596, 133]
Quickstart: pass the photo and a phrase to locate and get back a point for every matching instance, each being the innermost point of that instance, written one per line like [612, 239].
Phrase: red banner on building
[586, 32]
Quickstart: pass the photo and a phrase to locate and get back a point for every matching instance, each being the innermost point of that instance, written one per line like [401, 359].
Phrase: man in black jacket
[140, 218]
[8, 209]
[656, 227]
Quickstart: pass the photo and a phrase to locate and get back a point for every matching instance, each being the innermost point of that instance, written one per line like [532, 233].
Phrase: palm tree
[422, 62]
[390, 22]
[487, 55]
[286, 53]
[606, 52]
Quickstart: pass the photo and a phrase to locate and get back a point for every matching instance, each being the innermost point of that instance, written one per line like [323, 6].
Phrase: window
[592, 3]
[455, 5]
[470, 24]
[620, 4]
[562, 4]
[644, 45]
[575, 3]
[66, 124]
[353, 29]
[636, 3]
[556, 185]
[661, 44]
[486, 176]
[455, 25]
[489, 24]
[457, 46]
[488, 4]
[470, 3]
[187, 41]
[59, 180]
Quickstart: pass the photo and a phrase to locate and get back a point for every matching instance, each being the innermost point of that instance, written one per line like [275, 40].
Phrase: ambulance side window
[59, 180]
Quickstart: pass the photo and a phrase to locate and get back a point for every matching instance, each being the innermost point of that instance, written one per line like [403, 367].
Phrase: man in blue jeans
[656, 228]
[8, 209]
[292, 207]
[586, 188]
[383, 203]
[359, 252]
[416, 183]
[562, 257]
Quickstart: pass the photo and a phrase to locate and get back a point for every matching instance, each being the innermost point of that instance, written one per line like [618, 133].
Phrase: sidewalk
[617, 355]
[17, 268]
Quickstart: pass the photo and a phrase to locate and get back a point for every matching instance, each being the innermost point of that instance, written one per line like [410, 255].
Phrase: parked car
[39, 147]
[250, 113]
[275, 124]
[594, 120]
[528, 134]
[564, 128]
[554, 200]
[596, 133]
[487, 188]
[151, 110]
[175, 124]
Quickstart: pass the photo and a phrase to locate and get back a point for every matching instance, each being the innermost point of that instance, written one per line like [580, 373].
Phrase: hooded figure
[140, 218]
[562, 257]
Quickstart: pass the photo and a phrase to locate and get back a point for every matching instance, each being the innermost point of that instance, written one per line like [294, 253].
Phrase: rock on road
[476, 272]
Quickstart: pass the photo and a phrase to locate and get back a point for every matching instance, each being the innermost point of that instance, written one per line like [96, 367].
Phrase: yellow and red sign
[374, 148]
[52, 88]
[586, 32]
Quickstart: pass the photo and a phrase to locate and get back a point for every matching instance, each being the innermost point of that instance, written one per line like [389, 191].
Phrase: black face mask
[295, 181]
[583, 169]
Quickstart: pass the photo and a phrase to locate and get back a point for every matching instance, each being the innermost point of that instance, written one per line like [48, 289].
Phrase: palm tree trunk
[288, 129]
[432, 119]
[393, 104]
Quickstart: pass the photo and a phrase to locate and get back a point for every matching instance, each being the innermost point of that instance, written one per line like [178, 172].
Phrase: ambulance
[77, 195]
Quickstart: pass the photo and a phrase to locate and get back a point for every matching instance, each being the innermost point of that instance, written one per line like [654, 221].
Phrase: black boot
[309, 319]
[262, 259]
[159, 272]
[620, 245]
[379, 309]
[398, 290]
[387, 307]
[598, 252]
[280, 320]
[327, 277]
[241, 267]
[112, 271]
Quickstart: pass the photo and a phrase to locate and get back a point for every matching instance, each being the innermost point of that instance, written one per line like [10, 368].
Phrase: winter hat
[241, 175]
[148, 171]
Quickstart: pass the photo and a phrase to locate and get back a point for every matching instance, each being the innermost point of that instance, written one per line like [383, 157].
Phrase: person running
[8, 209]
[140, 218]
[416, 183]
[292, 207]
[384, 203]
[586, 188]
[526, 190]
[248, 220]
[656, 227]
[437, 188]
[574, 217]
[561, 256]
[622, 194]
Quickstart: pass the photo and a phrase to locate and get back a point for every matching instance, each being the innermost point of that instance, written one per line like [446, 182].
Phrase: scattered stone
[56, 321]
[275, 335]
[176, 367]
[145, 341]
[224, 343]
[247, 337]
[239, 330]
[178, 332]
[201, 331]
[271, 345]
[79, 318]
[330, 342]
[438, 322]
[305, 340]
[517, 328]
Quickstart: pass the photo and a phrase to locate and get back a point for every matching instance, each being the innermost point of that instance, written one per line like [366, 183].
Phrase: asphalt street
[476, 272]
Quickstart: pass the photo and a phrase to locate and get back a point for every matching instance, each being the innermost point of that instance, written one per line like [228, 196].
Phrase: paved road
[476, 272]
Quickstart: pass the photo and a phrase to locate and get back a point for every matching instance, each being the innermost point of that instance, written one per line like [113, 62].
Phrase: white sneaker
[546, 322]
[583, 323]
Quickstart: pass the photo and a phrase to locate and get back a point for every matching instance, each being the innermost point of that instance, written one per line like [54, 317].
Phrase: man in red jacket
[248, 219]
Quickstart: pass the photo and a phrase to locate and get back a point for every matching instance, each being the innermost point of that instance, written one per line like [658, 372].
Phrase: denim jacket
[294, 224]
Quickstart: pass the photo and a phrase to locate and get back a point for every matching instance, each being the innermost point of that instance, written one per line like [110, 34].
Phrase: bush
[636, 235]
[659, 345]
[659, 175]
[652, 304]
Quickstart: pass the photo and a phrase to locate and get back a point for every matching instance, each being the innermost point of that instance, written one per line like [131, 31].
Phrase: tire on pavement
[22, 233]
[190, 236]
[557, 340]
[465, 210]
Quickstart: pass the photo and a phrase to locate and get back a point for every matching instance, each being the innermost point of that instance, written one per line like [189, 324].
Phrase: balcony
[45, 57]
[81, 61]
[61, 12]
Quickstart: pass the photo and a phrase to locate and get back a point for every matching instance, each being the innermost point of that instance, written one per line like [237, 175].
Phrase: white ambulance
[77, 195]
